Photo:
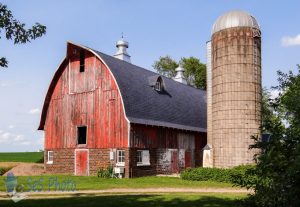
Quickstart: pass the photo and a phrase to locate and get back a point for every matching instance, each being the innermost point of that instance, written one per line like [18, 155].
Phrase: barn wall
[89, 98]
[143, 136]
[171, 150]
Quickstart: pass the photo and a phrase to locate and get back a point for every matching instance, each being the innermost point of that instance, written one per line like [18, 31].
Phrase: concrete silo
[235, 81]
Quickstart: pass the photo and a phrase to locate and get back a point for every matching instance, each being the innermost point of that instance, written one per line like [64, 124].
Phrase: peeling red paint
[88, 98]
[81, 162]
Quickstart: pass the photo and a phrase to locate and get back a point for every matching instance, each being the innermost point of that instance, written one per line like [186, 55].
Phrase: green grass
[21, 156]
[95, 183]
[131, 200]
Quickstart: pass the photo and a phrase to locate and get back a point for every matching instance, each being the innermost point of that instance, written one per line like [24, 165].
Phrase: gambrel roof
[177, 106]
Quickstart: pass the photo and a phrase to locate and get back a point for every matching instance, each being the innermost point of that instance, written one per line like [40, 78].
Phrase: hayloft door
[174, 162]
[81, 162]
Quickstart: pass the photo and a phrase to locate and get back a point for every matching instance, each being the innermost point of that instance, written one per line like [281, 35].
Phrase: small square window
[50, 157]
[143, 158]
[121, 157]
[81, 134]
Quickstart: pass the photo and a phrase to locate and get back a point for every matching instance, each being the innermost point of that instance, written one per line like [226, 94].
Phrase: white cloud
[10, 138]
[18, 138]
[25, 143]
[34, 111]
[11, 126]
[290, 41]
[5, 137]
[3, 84]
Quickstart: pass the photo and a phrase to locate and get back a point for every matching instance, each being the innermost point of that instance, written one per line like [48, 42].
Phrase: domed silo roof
[234, 19]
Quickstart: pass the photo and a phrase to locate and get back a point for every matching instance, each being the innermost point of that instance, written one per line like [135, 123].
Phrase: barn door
[174, 161]
[81, 162]
[187, 159]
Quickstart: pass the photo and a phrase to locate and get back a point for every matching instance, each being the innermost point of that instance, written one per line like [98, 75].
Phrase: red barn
[101, 111]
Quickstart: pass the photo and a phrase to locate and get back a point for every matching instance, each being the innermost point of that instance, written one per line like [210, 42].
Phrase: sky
[153, 28]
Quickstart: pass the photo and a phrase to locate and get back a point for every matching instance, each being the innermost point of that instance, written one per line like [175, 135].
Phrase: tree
[267, 109]
[16, 31]
[277, 173]
[195, 71]
[166, 66]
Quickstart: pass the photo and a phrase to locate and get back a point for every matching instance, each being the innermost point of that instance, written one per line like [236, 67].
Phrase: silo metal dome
[235, 19]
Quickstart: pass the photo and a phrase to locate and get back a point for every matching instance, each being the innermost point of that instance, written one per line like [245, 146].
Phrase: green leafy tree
[166, 66]
[267, 109]
[195, 71]
[16, 31]
[277, 173]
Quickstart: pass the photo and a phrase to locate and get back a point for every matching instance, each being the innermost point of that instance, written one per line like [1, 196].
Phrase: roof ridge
[141, 68]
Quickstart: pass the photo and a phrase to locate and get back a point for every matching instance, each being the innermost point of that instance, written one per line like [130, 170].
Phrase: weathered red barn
[101, 111]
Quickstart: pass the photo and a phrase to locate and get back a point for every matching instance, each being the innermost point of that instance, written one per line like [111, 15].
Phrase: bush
[3, 170]
[40, 160]
[105, 172]
[233, 175]
[242, 174]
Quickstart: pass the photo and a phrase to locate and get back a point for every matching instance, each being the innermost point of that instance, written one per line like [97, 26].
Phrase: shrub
[105, 172]
[242, 174]
[206, 174]
[40, 160]
[3, 170]
[233, 175]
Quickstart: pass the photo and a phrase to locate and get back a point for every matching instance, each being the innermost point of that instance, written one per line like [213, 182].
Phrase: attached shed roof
[177, 106]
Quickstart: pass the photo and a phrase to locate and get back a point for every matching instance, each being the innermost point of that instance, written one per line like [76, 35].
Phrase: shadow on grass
[157, 200]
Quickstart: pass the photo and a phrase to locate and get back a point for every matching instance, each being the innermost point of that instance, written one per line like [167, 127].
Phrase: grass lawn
[21, 156]
[47, 182]
[132, 200]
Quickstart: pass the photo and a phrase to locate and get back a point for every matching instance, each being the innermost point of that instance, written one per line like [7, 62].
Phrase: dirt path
[27, 169]
[53, 194]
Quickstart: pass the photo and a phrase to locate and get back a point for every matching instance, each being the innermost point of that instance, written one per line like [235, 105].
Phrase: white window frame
[50, 161]
[158, 85]
[118, 156]
[145, 156]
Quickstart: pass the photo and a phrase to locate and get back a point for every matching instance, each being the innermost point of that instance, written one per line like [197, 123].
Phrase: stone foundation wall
[160, 161]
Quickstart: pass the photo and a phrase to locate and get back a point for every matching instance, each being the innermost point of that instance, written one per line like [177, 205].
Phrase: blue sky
[153, 28]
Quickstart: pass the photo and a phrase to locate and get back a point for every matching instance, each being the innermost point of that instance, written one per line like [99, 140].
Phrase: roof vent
[121, 53]
[179, 75]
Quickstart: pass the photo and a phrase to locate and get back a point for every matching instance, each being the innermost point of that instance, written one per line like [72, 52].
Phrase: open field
[21, 156]
[57, 182]
[145, 200]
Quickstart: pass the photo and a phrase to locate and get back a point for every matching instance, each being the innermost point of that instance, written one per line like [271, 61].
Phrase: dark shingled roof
[178, 106]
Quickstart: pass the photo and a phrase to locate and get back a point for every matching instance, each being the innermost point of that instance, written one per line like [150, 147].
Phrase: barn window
[82, 57]
[158, 85]
[121, 157]
[143, 157]
[81, 134]
[50, 157]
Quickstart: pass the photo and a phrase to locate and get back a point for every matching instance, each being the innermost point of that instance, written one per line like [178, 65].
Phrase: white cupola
[121, 53]
[179, 75]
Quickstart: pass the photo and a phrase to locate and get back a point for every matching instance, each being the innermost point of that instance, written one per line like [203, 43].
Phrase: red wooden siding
[142, 136]
[187, 159]
[89, 98]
